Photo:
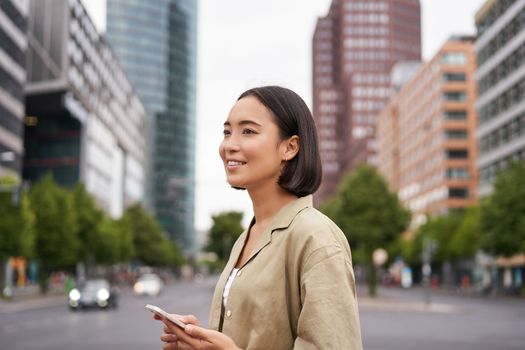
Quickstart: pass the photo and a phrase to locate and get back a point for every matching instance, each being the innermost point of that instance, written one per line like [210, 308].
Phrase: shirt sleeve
[329, 316]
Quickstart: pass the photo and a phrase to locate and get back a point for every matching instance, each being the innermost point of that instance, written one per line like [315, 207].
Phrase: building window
[458, 192]
[455, 115]
[454, 77]
[457, 153]
[502, 38]
[455, 58]
[455, 96]
[456, 134]
[502, 70]
[458, 173]
[495, 12]
[501, 103]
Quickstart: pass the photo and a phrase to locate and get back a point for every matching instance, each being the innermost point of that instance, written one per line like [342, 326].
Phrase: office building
[13, 48]
[355, 47]
[156, 43]
[426, 139]
[500, 50]
[84, 120]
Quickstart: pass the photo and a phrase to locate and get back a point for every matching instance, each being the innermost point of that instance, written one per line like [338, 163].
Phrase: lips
[235, 163]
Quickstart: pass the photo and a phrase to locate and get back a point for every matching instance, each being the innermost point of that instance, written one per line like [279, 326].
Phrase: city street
[397, 320]
[130, 327]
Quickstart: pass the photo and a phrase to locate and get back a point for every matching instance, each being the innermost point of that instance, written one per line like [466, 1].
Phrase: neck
[268, 201]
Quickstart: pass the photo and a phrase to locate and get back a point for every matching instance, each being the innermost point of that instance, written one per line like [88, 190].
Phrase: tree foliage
[151, 245]
[503, 213]
[224, 232]
[369, 214]
[56, 229]
[467, 238]
[16, 222]
[89, 219]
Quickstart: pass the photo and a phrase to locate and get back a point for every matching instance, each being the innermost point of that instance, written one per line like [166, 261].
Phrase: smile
[234, 163]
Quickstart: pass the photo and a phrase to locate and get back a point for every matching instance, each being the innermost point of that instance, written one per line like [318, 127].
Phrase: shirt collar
[282, 220]
[286, 214]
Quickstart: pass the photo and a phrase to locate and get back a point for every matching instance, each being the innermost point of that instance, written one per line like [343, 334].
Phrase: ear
[291, 148]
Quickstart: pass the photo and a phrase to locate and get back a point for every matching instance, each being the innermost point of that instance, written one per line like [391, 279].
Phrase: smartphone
[172, 317]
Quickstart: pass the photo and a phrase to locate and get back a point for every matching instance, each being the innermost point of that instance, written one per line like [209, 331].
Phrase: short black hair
[303, 173]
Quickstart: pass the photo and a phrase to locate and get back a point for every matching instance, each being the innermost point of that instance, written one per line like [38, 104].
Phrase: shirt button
[238, 273]
[229, 313]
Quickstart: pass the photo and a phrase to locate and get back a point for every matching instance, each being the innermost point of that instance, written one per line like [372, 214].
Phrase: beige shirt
[297, 289]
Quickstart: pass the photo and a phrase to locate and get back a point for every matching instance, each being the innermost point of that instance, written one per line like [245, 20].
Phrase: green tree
[152, 246]
[16, 224]
[56, 242]
[89, 219]
[224, 232]
[369, 214]
[106, 241]
[441, 229]
[503, 213]
[467, 239]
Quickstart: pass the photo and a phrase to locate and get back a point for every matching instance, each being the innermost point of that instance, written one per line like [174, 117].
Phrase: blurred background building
[427, 148]
[500, 49]
[156, 42]
[355, 47]
[13, 48]
[84, 120]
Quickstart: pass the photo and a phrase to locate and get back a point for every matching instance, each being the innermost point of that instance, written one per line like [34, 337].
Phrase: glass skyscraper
[156, 42]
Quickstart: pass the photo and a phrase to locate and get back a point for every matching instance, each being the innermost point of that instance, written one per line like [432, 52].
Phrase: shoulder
[315, 232]
[312, 223]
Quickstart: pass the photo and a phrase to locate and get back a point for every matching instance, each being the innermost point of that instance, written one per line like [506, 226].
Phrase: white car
[148, 284]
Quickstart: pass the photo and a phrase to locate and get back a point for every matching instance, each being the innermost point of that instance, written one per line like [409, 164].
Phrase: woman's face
[252, 151]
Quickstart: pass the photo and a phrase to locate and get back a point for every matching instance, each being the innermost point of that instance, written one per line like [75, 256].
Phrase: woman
[289, 282]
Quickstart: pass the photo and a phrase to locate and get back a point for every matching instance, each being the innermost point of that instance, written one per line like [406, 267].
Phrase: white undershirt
[228, 285]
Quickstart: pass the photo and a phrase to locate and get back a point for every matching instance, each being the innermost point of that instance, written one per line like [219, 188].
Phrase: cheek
[221, 150]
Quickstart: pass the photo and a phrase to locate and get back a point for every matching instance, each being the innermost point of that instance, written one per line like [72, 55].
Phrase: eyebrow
[243, 122]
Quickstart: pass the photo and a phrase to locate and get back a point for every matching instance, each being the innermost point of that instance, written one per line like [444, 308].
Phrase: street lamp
[430, 246]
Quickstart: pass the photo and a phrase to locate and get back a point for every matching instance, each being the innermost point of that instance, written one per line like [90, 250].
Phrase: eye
[226, 132]
[248, 132]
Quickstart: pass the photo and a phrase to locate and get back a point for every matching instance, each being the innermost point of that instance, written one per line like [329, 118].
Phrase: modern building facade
[84, 120]
[354, 49]
[427, 147]
[13, 48]
[500, 49]
[156, 42]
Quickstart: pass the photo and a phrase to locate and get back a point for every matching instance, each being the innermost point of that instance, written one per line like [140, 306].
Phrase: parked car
[93, 293]
[148, 284]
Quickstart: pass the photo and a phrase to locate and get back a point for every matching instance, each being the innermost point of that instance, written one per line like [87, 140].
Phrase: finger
[157, 317]
[170, 346]
[168, 337]
[190, 319]
[189, 340]
[184, 346]
[167, 329]
[171, 328]
[199, 332]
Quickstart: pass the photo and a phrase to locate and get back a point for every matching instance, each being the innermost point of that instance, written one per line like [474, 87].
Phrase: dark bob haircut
[302, 174]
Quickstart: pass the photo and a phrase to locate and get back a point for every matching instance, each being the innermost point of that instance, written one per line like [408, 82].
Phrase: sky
[246, 43]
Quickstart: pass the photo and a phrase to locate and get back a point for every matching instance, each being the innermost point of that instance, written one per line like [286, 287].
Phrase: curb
[8, 307]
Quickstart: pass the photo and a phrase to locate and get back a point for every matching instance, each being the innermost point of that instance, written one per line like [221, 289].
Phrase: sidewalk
[29, 298]
[402, 300]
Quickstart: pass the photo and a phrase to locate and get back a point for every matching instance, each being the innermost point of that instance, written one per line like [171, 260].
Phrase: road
[129, 327]
[397, 320]
[400, 320]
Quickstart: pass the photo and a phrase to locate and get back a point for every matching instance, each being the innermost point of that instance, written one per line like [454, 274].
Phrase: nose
[231, 144]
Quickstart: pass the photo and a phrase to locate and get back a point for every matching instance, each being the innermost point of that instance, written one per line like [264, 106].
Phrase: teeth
[233, 162]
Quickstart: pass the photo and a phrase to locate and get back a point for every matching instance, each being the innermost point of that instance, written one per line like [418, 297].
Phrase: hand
[170, 339]
[197, 338]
